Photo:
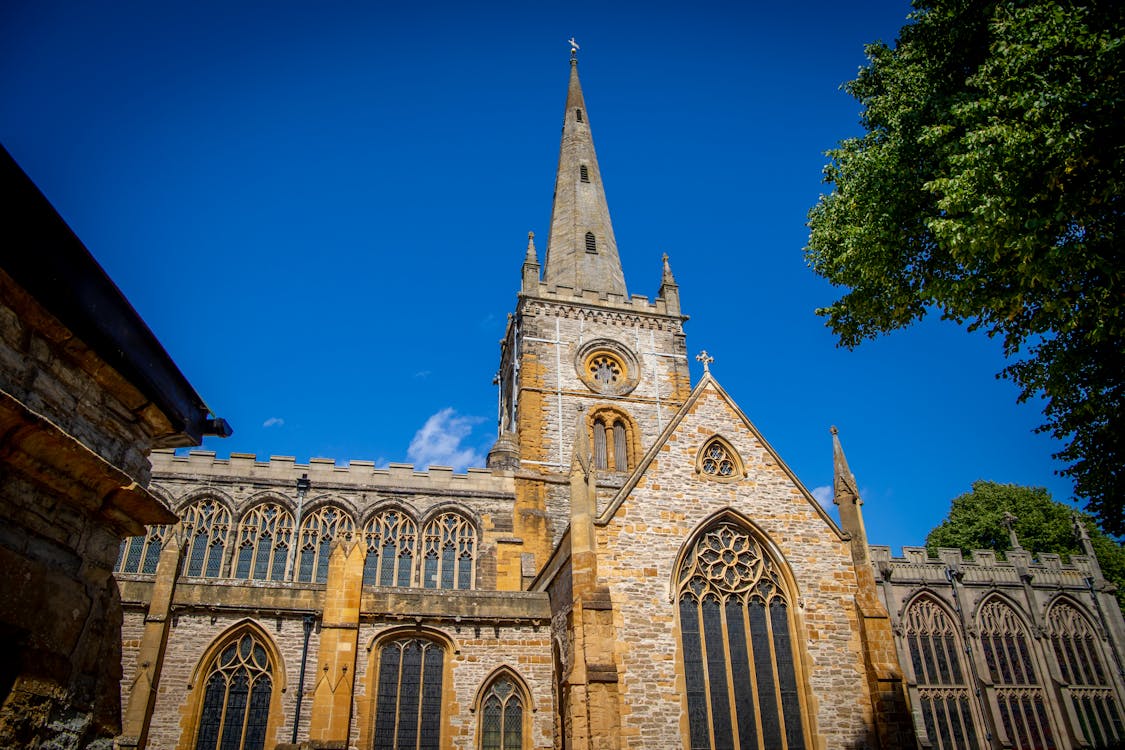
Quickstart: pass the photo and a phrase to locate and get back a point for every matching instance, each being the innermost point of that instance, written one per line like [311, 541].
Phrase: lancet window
[409, 695]
[391, 538]
[1019, 693]
[206, 527]
[449, 544]
[263, 544]
[318, 530]
[740, 664]
[943, 690]
[611, 446]
[1083, 669]
[139, 554]
[501, 716]
[236, 699]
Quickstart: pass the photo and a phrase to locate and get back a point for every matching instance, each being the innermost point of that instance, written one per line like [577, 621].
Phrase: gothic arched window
[740, 667]
[391, 536]
[449, 544]
[139, 554]
[408, 696]
[1083, 670]
[238, 687]
[318, 530]
[206, 527]
[943, 690]
[1019, 694]
[501, 715]
[718, 460]
[611, 442]
[265, 538]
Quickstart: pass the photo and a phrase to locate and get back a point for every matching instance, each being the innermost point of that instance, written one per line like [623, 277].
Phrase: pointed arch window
[1079, 656]
[238, 688]
[265, 537]
[591, 243]
[501, 716]
[206, 527]
[409, 695]
[140, 554]
[449, 544]
[1019, 694]
[611, 443]
[318, 530]
[719, 460]
[390, 536]
[935, 649]
[738, 649]
[583, 173]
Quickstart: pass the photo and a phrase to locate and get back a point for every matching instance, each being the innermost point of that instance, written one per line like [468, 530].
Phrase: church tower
[578, 340]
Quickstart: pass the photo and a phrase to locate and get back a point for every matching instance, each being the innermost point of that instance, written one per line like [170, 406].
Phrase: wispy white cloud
[439, 442]
[273, 422]
[422, 374]
[823, 495]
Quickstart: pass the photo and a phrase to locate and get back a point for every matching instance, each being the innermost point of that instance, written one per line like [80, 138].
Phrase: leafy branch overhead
[988, 189]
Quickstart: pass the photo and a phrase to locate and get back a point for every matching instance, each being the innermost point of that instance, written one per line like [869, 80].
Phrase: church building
[636, 567]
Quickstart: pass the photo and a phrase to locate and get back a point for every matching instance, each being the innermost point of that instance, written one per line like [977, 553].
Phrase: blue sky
[321, 210]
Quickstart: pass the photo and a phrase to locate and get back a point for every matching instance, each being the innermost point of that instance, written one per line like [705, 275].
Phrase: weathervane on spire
[706, 359]
[573, 48]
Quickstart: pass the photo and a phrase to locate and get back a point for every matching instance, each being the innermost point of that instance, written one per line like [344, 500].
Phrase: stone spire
[581, 251]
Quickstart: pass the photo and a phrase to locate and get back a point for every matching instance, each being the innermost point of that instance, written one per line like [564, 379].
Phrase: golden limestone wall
[638, 548]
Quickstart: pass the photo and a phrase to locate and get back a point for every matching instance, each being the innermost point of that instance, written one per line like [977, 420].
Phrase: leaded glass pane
[235, 710]
[448, 552]
[408, 704]
[734, 629]
[1078, 651]
[318, 530]
[935, 645]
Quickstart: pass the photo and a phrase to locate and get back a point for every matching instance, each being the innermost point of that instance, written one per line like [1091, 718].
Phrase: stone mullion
[973, 680]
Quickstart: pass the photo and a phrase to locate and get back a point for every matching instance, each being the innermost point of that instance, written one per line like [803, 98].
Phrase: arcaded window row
[438, 552]
[1019, 671]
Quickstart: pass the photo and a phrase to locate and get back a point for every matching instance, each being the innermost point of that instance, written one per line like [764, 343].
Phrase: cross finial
[706, 359]
[573, 48]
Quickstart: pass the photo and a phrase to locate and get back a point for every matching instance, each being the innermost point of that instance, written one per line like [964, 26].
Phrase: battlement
[636, 303]
[325, 472]
[981, 567]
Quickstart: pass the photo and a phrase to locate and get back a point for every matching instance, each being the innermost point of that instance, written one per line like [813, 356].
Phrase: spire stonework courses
[581, 251]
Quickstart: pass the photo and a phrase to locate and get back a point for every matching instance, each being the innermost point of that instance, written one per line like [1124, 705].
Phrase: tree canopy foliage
[975, 521]
[988, 188]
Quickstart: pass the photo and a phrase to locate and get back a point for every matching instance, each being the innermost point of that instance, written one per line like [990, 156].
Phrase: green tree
[976, 521]
[988, 188]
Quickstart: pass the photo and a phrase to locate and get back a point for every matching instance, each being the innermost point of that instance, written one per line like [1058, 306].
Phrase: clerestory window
[263, 543]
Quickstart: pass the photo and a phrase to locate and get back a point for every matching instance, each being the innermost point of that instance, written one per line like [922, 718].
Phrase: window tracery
[934, 643]
[390, 537]
[718, 460]
[1019, 695]
[501, 716]
[735, 630]
[140, 554]
[1081, 666]
[449, 544]
[318, 530]
[265, 537]
[206, 526]
[236, 699]
[409, 695]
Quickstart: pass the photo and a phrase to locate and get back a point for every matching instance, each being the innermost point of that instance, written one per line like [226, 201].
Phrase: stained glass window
[449, 544]
[139, 554]
[735, 631]
[1019, 694]
[935, 652]
[206, 526]
[408, 700]
[391, 537]
[1079, 655]
[501, 716]
[236, 701]
[265, 537]
[318, 530]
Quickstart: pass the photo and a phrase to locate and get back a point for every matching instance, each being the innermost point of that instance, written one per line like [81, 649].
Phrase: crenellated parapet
[982, 567]
[604, 302]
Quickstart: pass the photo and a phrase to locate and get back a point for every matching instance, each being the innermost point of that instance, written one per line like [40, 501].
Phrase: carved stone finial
[1009, 520]
[706, 359]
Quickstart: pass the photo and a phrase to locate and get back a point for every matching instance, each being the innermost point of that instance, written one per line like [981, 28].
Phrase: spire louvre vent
[591, 243]
[584, 173]
[578, 115]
